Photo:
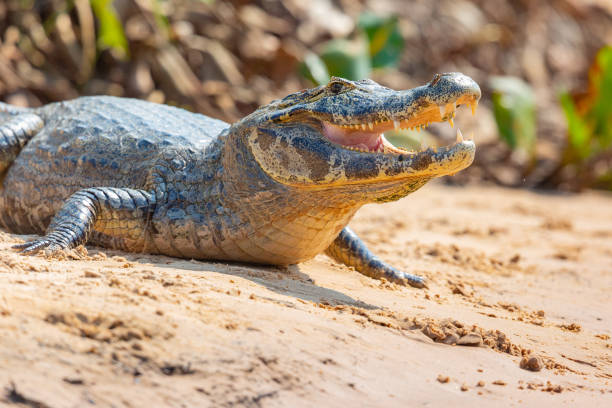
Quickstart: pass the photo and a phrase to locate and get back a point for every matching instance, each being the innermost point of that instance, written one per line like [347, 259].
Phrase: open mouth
[368, 136]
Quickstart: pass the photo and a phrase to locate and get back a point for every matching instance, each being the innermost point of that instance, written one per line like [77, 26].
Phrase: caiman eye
[336, 87]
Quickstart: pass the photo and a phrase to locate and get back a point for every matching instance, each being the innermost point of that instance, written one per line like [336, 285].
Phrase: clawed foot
[414, 280]
[37, 245]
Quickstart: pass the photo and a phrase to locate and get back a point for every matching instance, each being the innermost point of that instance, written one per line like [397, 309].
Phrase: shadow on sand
[287, 281]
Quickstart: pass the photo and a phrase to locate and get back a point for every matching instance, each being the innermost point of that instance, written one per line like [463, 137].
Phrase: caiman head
[331, 137]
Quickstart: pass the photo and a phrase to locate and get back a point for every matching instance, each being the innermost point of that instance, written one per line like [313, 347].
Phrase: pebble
[451, 339]
[470, 339]
[443, 378]
[531, 363]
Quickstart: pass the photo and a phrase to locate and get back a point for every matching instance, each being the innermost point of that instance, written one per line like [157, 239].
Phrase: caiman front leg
[14, 134]
[120, 215]
[348, 249]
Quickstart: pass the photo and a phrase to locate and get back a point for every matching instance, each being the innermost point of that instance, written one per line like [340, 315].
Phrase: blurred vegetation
[514, 108]
[589, 116]
[110, 29]
[225, 58]
[376, 44]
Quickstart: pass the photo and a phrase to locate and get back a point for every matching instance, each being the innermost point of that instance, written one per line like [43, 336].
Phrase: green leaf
[384, 39]
[347, 59]
[314, 69]
[515, 113]
[601, 113]
[578, 131]
[111, 34]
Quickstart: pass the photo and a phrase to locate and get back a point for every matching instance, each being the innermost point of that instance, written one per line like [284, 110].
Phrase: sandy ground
[525, 273]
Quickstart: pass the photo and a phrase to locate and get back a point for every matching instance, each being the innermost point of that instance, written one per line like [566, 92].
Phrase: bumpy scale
[278, 187]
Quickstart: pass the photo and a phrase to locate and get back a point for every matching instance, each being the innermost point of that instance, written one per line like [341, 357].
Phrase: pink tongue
[352, 138]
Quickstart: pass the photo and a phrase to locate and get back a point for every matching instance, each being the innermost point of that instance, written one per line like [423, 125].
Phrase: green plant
[110, 34]
[385, 42]
[589, 122]
[515, 113]
[377, 44]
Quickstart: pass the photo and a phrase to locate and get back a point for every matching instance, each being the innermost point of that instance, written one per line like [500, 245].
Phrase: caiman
[277, 187]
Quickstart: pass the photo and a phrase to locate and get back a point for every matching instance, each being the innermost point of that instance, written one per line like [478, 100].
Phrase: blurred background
[545, 67]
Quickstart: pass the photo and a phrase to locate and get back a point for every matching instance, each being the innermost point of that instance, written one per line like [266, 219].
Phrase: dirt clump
[531, 363]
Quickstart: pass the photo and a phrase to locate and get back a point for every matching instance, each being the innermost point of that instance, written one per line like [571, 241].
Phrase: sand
[512, 275]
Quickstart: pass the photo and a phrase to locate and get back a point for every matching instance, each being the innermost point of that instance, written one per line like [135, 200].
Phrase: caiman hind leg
[14, 134]
[122, 215]
[348, 249]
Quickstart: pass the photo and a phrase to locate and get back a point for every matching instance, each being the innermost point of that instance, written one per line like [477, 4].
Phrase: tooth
[370, 125]
[450, 121]
[474, 105]
[418, 128]
[459, 136]
[396, 124]
[363, 126]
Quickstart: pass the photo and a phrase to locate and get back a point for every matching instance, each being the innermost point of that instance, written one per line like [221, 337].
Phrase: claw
[32, 247]
[415, 281]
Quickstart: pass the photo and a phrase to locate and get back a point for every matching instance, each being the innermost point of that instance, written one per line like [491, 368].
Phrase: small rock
[557, 389]
[499, 382]
[91, 274]
[470, 339]
[451, 339]
[531, 363]
[433, 332]
[443, 378]
[464, 387]
[480, 383]
[74, 381]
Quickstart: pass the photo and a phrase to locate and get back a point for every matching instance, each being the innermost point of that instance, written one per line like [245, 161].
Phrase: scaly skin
[277, 187]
